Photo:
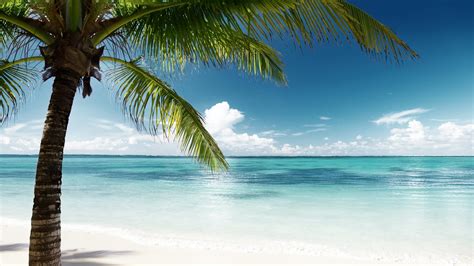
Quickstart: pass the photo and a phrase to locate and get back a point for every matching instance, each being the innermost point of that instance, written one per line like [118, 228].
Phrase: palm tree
[73, 37]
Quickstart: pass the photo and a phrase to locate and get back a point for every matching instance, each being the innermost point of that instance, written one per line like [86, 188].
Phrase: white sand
[82, 247]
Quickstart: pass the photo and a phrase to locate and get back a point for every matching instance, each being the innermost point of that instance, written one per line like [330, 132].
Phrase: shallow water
[389, 208]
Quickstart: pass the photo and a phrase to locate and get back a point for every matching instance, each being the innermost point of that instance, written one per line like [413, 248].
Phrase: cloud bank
[407, 136]
[114, 138]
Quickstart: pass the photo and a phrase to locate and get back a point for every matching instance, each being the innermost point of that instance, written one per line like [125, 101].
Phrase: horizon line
[239, 156]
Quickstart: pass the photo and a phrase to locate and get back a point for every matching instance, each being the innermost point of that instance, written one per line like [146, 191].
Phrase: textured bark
[45, 237]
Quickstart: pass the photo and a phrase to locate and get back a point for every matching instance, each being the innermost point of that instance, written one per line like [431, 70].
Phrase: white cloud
[325, 118]
[413, 134]
[137, 138]
[118, 138]
[124, 128]
[272, 133]
[221, 117]
[13, 129]
[103, 126]
[400, 117]
[314, 128]
[16, 138]
[102, 144]
[297, 134]
[268, 132]
[315, 125]
[414, 139]
[4, 140]
[114, 138]
[454, 132]
[407, 138]
[220, 120]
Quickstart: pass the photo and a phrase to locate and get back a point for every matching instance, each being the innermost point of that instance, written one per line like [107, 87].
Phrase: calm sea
[413, 209]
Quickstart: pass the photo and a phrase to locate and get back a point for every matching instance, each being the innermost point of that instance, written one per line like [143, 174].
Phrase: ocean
[394, 209]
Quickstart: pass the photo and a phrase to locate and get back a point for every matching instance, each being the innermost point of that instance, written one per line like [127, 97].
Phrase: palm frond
[178, 34]
[15, 77]
[212, 46]
[7, 29]
[374, 37]
[145, 97]
[21, 15]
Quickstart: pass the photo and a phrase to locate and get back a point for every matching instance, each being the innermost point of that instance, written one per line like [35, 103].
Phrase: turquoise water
[388, 208]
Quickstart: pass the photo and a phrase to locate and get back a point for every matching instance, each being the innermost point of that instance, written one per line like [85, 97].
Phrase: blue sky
[335, 95]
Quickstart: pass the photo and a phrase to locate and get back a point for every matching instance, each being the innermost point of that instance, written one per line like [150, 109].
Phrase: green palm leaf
[19, 17]
[179, 34]
[145, 97]
[14, 77]
[7, 29]
[212, 46]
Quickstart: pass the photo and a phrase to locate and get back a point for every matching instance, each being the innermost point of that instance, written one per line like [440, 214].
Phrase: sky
[338, 101]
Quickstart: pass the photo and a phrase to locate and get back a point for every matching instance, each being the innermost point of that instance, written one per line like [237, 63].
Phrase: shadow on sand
[86, 258]
[73, 256]
[13, 247]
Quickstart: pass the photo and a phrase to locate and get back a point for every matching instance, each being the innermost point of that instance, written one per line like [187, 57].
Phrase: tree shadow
[74, 257]
[85, 263]
[13, 247]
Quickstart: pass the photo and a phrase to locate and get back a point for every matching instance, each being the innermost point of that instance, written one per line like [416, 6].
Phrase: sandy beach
[81, 247]
[92, 248]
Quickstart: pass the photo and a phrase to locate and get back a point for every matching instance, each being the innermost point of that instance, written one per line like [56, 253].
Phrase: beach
[89, 247]
[124, 210]
[82, 247]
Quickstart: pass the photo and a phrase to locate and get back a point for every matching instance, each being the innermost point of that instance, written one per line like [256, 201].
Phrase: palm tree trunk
[45, 237]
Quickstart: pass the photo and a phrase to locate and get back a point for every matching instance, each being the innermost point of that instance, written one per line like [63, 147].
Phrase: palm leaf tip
[373, 36]
[147, 98]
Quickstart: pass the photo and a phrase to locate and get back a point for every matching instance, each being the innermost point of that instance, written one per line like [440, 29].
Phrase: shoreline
[95, 245]
[91, 247]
